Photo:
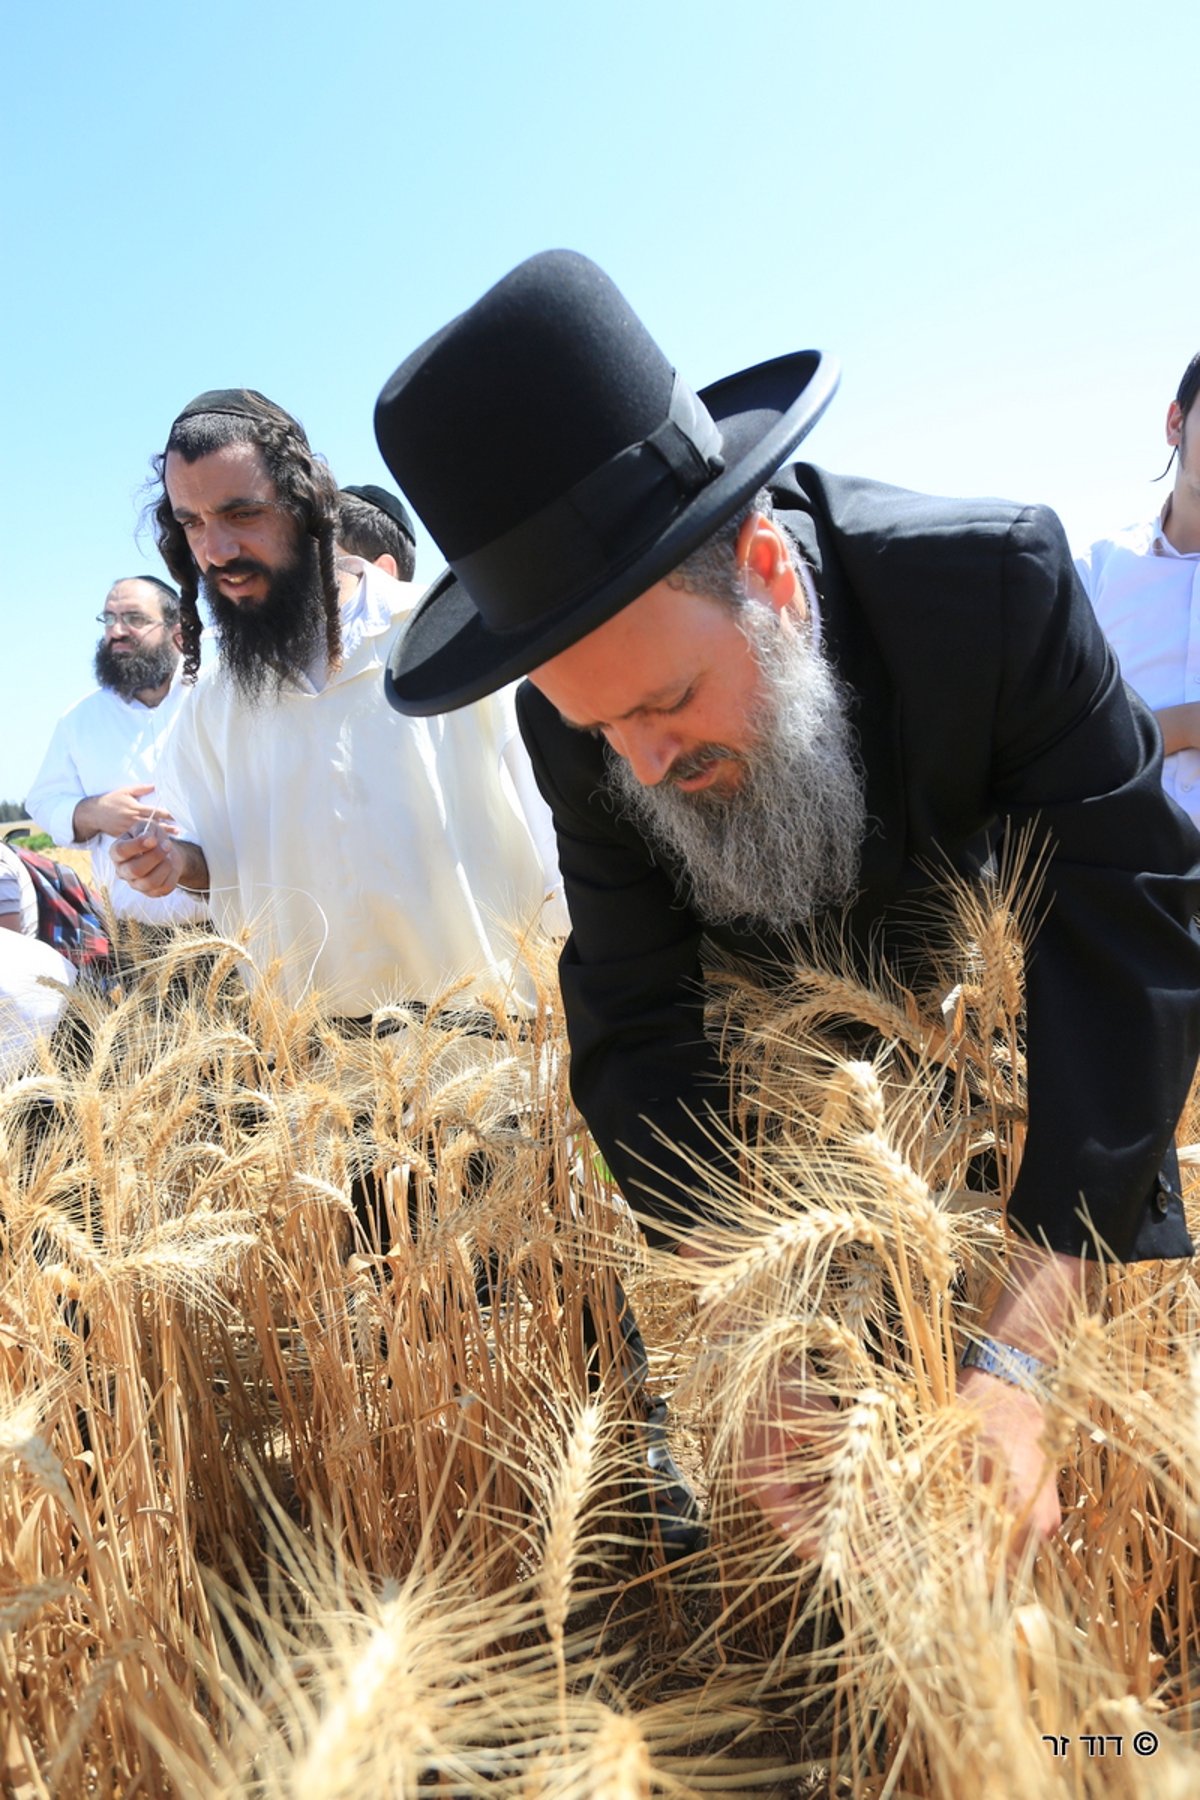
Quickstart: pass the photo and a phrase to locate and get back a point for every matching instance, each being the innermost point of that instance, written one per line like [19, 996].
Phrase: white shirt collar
[1161, 544]
[372, 607]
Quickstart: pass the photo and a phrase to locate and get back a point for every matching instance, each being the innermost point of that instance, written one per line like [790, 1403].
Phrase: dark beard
[788, 839]
[277, 639]
[136, 670]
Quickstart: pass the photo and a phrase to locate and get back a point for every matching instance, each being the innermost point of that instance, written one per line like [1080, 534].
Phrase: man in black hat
[765, 697]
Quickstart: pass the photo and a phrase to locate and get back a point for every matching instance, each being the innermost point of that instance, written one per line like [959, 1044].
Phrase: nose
[646, 747]
[218, 544]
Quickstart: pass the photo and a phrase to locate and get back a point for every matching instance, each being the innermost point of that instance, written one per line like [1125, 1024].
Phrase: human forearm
[1180, 726]
[1042, 1295]
[1044, 1292]
[194, 870]
[113, 813]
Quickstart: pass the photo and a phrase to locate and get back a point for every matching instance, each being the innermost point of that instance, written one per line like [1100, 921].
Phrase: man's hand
[1180, 726]
[156, 864]
[784, 1433]
[1044, 1290]
[115, 813]
[785, 1427]
[1011, 1450]
[790, 1429]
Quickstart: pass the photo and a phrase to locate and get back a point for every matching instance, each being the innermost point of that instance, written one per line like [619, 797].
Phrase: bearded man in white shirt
[374, 863]
[374, 857]
[1144, 584]
[97, 779]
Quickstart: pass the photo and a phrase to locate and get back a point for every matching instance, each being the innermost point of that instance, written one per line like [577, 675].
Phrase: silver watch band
[1017, 1367]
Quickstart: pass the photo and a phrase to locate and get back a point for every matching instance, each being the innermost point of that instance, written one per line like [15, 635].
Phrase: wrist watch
[1017, 1367]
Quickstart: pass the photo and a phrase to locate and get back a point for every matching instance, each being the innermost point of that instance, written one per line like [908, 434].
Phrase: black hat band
[609, 515]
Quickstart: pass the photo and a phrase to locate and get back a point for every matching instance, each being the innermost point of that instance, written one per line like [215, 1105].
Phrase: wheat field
[308, 1499]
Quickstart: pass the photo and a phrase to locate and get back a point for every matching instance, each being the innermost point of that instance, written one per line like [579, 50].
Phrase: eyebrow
[182, 514]
[675, 692]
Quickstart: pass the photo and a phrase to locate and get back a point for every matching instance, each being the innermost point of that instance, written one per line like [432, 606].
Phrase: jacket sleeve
[1014, 713]
[1113, 972]
[643, 1074]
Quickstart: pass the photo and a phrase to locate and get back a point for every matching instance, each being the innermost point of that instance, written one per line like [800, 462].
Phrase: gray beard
[789, 839]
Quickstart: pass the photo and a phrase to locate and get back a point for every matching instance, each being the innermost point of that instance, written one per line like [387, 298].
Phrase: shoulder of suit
[571, 759]
[857, 507]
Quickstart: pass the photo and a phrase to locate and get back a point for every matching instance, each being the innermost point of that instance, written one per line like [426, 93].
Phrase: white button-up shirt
[1146, 595]
[369, 856]
[105, 743]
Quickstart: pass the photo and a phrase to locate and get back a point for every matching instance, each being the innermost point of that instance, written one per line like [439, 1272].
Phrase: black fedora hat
[563, 467]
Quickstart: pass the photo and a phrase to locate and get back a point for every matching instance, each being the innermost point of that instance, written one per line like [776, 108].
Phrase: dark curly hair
[367, 531]
[302, 481]
[1185, 393]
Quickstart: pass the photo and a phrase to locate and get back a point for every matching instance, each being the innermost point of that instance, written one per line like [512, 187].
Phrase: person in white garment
[97, 778]
[376, 857]
[34, 980]
[1144, 585]
[18, 896]
[369, 859]
[375, 524]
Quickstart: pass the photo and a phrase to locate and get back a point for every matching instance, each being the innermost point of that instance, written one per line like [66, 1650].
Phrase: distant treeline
[11, 809]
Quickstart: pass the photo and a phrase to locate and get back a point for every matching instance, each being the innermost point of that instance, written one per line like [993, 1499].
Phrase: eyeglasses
[133, 621]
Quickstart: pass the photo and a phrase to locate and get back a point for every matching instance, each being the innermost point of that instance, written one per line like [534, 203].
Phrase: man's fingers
[1012, 1451]
[142, 865]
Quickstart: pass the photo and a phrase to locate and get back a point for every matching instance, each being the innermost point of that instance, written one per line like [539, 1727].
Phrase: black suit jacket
[984, 694]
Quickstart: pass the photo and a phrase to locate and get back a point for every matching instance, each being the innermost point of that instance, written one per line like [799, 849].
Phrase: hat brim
[446, 657]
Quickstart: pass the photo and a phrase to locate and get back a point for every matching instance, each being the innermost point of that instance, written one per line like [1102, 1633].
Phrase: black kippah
[387, 503]
[239, 403]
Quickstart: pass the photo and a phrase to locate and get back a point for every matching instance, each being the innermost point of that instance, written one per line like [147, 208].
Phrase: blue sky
[985, 211]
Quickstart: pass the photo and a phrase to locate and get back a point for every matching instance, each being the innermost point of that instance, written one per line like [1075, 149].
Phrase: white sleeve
[57, 790]
[176, 776]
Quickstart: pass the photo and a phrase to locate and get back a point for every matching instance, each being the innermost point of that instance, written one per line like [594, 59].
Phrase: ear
[1174, 423]
[389, 565]
[765, 559]
[177, 637]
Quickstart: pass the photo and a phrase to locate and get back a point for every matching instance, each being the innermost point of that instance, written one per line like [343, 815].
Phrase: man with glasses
[97, 778]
